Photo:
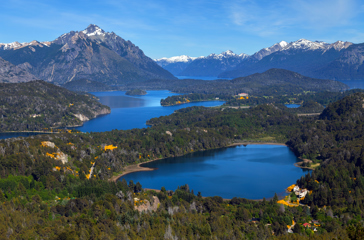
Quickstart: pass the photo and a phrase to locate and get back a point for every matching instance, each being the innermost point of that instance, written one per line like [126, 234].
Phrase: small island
[135, 92]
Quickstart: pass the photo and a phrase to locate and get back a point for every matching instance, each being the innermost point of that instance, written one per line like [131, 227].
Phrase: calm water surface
[128, 112]
[252, 172]
[292, 105]
[17, 134]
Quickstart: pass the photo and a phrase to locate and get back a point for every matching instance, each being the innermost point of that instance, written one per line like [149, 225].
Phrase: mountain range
[92, 54]
[339, 61]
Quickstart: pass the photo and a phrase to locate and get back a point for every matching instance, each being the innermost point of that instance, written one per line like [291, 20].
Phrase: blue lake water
[253, 172]
[17, 134]
[292, 105]
[128, 112]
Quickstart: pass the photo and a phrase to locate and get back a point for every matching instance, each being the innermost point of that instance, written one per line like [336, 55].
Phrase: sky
[166, 28]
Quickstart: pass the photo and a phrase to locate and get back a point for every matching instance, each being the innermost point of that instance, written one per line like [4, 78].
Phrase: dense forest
[323, 98]
[134, 92]
[56, 186]
[274, 82]
[36, 105]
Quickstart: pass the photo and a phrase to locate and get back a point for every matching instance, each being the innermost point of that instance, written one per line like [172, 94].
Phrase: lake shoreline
[138, 168]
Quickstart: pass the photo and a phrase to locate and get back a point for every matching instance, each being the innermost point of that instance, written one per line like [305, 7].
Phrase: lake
[128, 112]
[292, 105]
[17, 134]
[253, 172]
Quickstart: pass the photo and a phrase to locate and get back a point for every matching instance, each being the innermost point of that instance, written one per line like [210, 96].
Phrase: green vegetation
[37, 105]
[134, 92]
[274, 82]
[41, 197]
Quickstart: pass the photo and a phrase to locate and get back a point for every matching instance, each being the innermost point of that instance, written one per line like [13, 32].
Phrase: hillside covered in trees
[56, 186]
[36, 105]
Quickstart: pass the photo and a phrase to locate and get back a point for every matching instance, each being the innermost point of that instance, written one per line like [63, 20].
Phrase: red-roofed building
[307, 225]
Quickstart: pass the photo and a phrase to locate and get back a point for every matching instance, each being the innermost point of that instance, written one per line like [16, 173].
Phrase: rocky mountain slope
[302, 56]
[339, 60]
[92, 53]
[214, 64]
[11, 73]
[175, 65]
[211, 65]
[35, 105]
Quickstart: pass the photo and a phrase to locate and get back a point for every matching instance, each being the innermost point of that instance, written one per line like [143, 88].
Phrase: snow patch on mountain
[187, 59]
[94, 30]
[176, 59]
[226, 54]
[17, 45]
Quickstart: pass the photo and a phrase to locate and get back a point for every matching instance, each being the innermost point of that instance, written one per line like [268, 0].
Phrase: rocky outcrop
[148, 206]
[9, 73]
[82, 117]
[93, 54]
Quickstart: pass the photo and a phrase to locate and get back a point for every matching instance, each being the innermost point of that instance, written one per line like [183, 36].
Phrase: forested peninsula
[40, 106]
[60, 182]
[136, 92]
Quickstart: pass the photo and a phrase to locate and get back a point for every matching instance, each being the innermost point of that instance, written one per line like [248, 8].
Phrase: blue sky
[190, 27]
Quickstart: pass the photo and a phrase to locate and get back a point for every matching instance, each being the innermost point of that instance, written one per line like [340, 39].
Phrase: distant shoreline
[27, 132]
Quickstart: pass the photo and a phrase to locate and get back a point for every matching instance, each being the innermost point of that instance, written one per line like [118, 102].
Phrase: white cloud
[276, 17]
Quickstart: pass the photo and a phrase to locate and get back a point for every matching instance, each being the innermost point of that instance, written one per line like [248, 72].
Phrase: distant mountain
[339, 60]
[303, 56]
[11, 74]
[92, 53]
[175, 65]
[212, 65]
[348, 66]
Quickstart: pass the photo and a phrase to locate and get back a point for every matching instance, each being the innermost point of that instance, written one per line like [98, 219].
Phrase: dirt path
[308, 114]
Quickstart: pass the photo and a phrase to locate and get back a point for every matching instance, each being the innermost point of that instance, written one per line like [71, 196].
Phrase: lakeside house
[301, 193]
[307, 225]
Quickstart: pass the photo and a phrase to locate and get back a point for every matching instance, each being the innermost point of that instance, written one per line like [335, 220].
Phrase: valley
[117, 111]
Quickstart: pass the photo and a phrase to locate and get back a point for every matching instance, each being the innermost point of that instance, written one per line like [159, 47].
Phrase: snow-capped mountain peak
[226, 54]
[7, 46]
[93, 30]
[283, 44]
[305, 44]
[16, 45]
[175, 59]
[339, 45]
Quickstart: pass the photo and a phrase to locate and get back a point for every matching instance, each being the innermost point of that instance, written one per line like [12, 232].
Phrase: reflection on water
[253, 172]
